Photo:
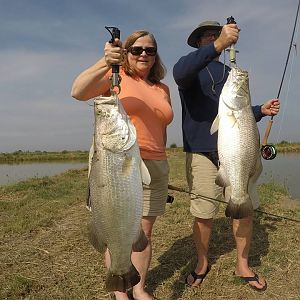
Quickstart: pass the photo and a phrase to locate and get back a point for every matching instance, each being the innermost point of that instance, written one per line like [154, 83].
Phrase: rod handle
[267, 133]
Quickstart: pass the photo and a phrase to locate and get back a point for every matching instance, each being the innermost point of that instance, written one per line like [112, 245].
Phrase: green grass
[37, 202]
[21, 156]
[45, 253]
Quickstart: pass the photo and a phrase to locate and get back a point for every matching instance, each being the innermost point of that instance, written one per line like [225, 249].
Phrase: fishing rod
[269, 151]
[177, 189]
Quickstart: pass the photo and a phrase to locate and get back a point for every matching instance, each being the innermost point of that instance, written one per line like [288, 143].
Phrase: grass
[45, 253]
[22, 156]
[286, 147]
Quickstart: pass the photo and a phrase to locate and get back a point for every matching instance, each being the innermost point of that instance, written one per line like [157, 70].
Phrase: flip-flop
[253, 278]
[196, 277]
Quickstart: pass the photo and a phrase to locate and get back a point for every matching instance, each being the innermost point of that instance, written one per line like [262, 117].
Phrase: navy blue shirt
[200, 80]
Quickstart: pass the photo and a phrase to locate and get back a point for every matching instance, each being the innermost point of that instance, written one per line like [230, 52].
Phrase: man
[200, 78]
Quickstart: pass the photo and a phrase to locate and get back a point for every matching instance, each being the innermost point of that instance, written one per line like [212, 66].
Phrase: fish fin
[127, 164]
[227, 193]
[97, 243]
[239, 211]
[221, 178]
[122, 282]
[231, 119]
[215, 125]
[141, 243]
[146, 178]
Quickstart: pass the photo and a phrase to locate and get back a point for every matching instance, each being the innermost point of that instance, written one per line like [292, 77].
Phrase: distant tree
[283, 143]
[173, 146]
[18, 152]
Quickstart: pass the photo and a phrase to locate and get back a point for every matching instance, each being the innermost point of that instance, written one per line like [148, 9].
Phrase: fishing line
[286, 98]
[269, 151]
[174, 188]
[290, 47]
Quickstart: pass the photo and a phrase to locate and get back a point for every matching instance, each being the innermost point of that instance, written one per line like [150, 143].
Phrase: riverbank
[288, 147]
[24, 156]
[45, 252]
[19, 156]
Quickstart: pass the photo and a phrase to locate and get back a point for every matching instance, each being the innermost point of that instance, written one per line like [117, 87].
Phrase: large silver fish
[116, 193]
[238, 146]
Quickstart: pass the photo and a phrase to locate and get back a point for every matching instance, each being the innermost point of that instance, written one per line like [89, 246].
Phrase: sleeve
[188, 67]
[257, 112]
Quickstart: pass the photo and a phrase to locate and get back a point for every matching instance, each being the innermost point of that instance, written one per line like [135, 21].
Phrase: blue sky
[46, 43]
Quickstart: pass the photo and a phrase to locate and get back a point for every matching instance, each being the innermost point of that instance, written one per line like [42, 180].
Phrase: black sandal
[196, 277]
[254, 278]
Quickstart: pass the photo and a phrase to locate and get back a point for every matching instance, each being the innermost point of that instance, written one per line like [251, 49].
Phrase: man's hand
[229, 35]
[271, 107]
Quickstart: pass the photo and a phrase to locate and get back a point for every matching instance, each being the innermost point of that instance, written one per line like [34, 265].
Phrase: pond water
[284, 169]
[11, 173]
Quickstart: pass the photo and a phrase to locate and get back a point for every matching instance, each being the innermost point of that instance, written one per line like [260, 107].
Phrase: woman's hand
[113, 53]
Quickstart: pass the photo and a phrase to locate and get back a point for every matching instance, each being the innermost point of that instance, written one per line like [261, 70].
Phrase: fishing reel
[115, 78]
[268, 152]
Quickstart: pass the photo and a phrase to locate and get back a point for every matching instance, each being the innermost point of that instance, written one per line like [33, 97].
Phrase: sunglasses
[136, 50]
[209, 33]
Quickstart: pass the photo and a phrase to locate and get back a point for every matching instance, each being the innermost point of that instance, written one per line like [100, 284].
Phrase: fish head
[113, 125]
[235, 93]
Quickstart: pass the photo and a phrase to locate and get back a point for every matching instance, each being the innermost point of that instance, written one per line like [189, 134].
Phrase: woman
[147, 102]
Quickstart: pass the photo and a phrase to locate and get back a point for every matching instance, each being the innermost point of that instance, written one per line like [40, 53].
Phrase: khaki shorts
[155, 194]
[201, 174]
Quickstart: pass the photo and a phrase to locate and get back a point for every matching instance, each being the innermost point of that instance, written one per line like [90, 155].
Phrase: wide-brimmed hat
[206, 25]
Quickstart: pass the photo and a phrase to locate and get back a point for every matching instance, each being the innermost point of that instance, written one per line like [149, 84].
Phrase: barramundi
[116, 192]
[238, 146]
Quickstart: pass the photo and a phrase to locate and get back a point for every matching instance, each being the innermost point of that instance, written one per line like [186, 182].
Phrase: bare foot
[120, 296]
[141, 295]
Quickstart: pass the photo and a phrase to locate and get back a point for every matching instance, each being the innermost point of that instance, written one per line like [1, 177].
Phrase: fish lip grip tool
[115, 77]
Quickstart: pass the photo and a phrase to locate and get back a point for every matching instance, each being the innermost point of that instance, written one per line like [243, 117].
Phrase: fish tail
[98, 244]
[141, 243]
[240, 210]
[123, 282]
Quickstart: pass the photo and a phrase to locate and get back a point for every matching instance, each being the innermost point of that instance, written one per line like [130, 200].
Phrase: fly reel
[268, 152]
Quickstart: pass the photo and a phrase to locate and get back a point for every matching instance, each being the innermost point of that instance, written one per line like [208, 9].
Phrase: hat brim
[194, 36]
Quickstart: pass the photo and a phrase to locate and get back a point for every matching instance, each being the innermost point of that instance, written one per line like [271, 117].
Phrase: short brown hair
[158, 70]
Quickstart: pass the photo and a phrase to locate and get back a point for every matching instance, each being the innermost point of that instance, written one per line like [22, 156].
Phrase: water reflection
[285, 169]
[11, 173]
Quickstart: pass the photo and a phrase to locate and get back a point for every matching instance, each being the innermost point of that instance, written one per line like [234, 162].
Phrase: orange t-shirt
[149, 109]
